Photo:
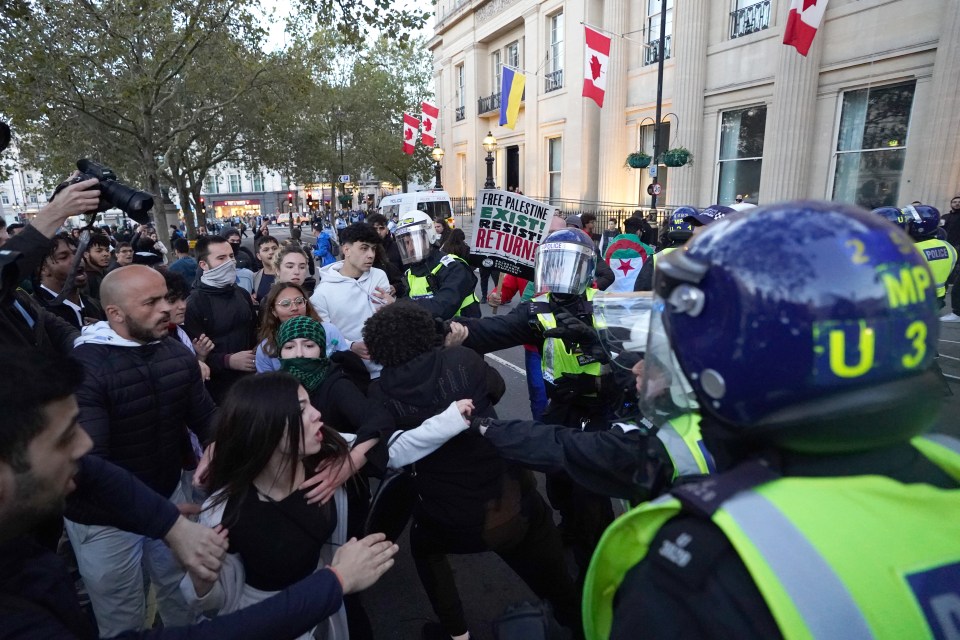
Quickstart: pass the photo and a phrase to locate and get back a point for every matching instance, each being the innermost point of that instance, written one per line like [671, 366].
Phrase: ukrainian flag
[511, 94]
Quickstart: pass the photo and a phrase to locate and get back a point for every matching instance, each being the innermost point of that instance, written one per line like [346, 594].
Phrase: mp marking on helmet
[910, 286]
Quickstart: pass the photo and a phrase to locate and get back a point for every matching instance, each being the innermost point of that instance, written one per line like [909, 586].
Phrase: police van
[434, 203]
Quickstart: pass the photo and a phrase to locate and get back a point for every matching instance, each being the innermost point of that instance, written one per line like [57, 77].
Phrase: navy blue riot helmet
[566, 262]
[924, 221]
[808, 325]
[894, 215]
[679, 228]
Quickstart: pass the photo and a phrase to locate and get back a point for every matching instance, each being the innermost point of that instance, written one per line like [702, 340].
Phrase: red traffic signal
[290, 198]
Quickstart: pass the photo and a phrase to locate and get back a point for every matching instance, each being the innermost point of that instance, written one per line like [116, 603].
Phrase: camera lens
[136, 204]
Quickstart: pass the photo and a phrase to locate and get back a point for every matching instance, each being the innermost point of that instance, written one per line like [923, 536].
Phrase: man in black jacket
[222, 311]
[43, 468]
[142, 390]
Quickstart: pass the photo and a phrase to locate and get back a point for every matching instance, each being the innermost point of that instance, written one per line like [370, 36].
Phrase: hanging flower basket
[676, 157]
[638, 160]
[345, 199]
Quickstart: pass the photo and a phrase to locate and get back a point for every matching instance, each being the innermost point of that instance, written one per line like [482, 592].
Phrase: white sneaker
[950, 317]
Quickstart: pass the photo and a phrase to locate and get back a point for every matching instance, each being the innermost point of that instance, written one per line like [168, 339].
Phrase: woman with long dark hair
[287, 300]
[269, 439]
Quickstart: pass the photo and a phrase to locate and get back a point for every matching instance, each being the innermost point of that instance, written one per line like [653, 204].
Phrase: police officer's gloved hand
[567, 388]
[573, 330]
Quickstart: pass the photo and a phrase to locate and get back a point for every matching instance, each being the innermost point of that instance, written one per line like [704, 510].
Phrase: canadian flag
[410, 127]
[802, 23]
[428, 135]
[595, 65]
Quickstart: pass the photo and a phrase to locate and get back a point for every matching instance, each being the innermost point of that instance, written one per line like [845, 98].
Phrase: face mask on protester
[225, 274]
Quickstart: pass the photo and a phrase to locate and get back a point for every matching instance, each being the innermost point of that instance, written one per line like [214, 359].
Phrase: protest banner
[507, 228]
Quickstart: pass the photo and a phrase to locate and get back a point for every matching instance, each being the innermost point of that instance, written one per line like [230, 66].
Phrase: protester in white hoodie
[352, 290]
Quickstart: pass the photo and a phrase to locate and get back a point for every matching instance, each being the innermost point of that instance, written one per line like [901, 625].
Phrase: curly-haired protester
[469, 500]
[284, 301]
[269, 437]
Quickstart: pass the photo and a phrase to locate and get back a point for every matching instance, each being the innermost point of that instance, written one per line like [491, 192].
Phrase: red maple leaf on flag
[407, 134]
[808, 3]
[595, 67]
[427, 125]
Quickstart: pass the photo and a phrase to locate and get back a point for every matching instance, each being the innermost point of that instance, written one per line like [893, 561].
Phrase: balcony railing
[488, 103]
[651, 54]
[750, 19]
[553, 81]
[461, 113]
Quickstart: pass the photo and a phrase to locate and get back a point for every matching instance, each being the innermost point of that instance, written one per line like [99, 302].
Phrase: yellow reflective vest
[556, 359]
[837, 557]
[942, 258]
[420, 285]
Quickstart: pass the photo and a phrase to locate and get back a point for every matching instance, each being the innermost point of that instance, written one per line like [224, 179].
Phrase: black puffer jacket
[137, 402]
[226, 316]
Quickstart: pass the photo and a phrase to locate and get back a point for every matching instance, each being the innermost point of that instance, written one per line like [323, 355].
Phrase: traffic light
[290, 198]
[203, 207]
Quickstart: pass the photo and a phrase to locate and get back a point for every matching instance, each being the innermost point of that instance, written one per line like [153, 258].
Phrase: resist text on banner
[507, 229]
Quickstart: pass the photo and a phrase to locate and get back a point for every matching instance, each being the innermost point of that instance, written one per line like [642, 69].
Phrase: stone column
[613, 177]
[690, 76]
[790, 124]
[939, 176]
[531, 174]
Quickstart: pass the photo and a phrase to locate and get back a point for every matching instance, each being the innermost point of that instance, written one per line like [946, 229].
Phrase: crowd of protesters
[235, 433]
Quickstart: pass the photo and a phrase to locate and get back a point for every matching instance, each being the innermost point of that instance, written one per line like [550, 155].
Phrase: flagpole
[656, 126]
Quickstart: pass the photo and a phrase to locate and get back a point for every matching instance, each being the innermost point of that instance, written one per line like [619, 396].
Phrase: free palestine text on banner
[507, 228]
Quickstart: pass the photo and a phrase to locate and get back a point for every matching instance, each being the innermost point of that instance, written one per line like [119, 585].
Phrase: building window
[33, 199]
[235, 183]
[4, 198]
[461, 91]
[651, 54]
[741, 154]
[496, 70]
[554, 167]
[258, 182]
[513, 55]
[749, 16]
[210, 184]
[29, 178]
[554, 77]
[872, 144]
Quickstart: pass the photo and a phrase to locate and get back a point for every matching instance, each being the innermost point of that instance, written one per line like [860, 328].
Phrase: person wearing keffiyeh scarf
[311, 370]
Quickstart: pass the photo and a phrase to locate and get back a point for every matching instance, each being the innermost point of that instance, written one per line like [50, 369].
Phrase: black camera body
[113, 194]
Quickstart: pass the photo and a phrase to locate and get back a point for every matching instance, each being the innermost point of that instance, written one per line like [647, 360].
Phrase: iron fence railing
[651, 54]
[488, 103]
[750, 19]
[461, 113]
[553, 81]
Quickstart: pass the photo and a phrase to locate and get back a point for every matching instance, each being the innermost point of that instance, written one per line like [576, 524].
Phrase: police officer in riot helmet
[679, 230]
[581, 389]
[806, 332]
[443, 284]
[923, 225]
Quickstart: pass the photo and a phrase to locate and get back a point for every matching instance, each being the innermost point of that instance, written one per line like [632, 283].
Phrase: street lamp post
[437, 155]
[490, 145]
[656, 127]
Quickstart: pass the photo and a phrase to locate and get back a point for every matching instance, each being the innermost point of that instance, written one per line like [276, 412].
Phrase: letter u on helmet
[415, 234]
[894, 215]
[566, 262]
[810, 325]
